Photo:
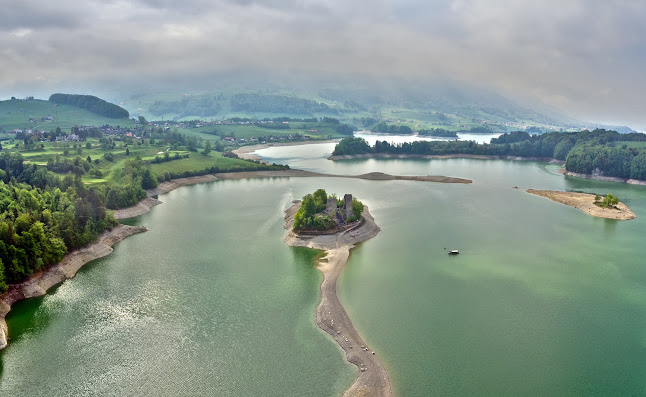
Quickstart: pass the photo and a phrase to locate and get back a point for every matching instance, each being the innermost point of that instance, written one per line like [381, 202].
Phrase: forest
[311, 217]
[91, 103]
[201, 106]
[39, 225]
[607, 153]
[278, 104]
[438, 132]
[384, 128]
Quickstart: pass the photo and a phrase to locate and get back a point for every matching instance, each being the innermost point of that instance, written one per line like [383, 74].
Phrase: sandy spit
[39, 283]
[331, 317]
[144, 206]
[585, 203]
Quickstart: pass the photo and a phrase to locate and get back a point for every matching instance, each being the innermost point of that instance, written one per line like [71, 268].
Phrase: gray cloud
[585, 57]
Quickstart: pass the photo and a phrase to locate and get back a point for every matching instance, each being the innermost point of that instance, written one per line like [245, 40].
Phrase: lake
[542, 300]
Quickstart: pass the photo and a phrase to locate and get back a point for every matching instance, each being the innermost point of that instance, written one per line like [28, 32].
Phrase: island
[323, 222]
[589, 203]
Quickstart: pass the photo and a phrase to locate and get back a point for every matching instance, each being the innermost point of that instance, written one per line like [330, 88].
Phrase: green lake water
[543, 299]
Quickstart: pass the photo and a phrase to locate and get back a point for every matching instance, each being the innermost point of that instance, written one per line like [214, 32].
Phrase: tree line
[598, 151]
[92, 104]
[39, 225]
[262, 103]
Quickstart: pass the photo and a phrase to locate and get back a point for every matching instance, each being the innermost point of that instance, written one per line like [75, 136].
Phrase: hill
[421, 107]
[91, 103]
[35, 114]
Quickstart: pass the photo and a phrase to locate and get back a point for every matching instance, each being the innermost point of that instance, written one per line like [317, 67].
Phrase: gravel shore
[331, 317]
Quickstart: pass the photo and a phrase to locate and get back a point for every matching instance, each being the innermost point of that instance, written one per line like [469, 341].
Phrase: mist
[584, 58]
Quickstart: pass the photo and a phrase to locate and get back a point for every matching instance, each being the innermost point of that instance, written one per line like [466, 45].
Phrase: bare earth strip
[247, 152]
[331, 317]
[585, 203]
[144, 206]
[141, 208]
[39, 283]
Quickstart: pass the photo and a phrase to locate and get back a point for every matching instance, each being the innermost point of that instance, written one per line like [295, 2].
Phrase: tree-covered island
[322, 213]
[599, 152]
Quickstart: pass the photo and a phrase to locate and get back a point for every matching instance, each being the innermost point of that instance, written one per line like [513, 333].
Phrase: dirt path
[331, 317]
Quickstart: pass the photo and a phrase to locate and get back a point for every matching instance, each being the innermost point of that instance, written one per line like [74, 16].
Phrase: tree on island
[317, 213]
[609, 201]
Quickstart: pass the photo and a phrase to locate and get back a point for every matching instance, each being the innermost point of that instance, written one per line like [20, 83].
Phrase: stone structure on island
[347, 205]
[339, 215]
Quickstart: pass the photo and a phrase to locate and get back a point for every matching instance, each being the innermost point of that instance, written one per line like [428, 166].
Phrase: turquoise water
[542, 300]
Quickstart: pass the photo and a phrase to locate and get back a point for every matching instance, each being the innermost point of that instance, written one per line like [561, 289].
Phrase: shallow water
[542, 300]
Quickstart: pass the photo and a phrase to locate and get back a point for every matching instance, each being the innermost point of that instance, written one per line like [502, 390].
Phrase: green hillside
[418, 111]
[15, 114]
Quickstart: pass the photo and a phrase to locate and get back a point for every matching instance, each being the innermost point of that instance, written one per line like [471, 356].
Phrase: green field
[631, 144]
[15, 114]
[199, 162]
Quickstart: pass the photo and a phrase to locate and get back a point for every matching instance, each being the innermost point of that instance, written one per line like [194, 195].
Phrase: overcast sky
[584, 57]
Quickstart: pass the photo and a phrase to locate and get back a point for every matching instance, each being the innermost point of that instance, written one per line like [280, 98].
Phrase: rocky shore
[605, 178]
[39, 283]
[331, 317]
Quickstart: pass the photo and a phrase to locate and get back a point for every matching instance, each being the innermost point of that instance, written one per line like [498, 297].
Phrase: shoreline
[585, 202]
[246, 152]
[441, 157]
[146, 204]
[604, 178]
[373, 378]
[39, 283]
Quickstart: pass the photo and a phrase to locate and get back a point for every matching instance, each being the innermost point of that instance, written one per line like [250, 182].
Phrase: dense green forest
[91, 103]
[309, 215]
[600, 151]
[201, 106]
[382, 127]
[43, 216]
[438, 132]
[277, 104]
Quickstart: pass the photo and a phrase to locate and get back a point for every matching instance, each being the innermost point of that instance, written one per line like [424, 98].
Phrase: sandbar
[247, 152]
[144, 206]
[331, 317]
[585, 203]
[39, 283]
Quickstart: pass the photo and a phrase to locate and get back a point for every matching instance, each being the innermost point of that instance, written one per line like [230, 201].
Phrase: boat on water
[454, 252]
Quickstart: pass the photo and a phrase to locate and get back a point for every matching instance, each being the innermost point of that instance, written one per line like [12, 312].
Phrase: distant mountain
[439, 105]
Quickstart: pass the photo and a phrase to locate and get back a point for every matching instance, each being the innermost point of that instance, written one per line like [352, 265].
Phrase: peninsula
[328, 224]
[587, 203]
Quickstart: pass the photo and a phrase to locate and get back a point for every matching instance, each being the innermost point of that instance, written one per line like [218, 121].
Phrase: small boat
[454, 252]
